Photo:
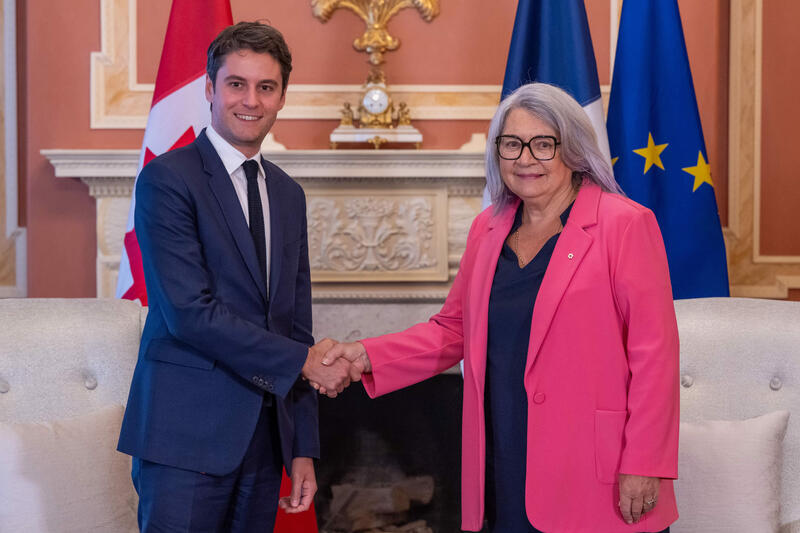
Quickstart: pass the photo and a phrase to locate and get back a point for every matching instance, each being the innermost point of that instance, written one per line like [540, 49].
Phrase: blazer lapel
[222, 188]
[276, 225]
[570, 250]
[481, 286]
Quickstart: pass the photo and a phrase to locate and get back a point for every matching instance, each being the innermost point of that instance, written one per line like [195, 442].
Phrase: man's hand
[327, 379]
[304, 486]
[354, 353]
[637, 495]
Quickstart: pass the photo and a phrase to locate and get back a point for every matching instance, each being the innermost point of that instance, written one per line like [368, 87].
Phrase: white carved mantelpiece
[383, 224]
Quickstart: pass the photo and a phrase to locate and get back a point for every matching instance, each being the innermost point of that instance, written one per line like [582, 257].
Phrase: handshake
[331, 366]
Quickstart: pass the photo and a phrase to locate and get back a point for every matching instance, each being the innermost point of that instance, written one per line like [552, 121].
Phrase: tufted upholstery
[740, 358]
[65, 357]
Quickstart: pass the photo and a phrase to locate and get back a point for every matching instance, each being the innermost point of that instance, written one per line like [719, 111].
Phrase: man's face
[245, 99]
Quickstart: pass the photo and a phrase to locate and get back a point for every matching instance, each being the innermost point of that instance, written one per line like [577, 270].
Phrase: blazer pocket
[609, 428]
[177, 353]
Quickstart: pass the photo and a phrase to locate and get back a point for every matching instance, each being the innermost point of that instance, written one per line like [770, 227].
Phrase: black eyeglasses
[541, 147]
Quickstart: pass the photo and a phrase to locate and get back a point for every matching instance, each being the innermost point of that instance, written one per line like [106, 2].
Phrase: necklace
[520, 259]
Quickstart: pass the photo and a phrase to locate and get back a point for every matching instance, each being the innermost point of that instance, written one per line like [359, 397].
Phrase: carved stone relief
[377, 235]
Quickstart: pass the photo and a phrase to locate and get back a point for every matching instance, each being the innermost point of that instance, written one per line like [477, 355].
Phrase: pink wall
[54, 110]
[780, 158]
[466, 44]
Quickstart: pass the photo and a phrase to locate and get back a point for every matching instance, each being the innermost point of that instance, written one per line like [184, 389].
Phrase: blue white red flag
[551, 43]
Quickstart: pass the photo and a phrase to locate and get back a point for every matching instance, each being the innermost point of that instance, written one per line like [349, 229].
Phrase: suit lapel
[481, 285]
[222, 188]
[571, 248]
[276, 224]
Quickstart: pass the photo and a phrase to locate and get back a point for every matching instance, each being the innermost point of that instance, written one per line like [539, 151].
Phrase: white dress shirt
[233, 160]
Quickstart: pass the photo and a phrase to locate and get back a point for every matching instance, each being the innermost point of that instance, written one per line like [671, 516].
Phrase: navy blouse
[513, 294]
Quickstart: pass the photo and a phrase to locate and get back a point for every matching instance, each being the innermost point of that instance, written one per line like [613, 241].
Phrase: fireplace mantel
[442, 188]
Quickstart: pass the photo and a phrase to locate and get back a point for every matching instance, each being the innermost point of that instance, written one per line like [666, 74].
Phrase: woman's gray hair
[579, 150]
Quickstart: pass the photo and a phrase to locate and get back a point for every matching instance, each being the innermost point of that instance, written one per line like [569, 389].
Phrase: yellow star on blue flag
[651, 153]
[701, 172]
[652, 98]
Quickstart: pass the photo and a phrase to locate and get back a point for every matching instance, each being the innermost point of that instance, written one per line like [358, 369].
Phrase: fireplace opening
[392, 463]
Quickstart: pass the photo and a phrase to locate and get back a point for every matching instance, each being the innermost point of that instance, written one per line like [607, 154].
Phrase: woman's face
[527, 177]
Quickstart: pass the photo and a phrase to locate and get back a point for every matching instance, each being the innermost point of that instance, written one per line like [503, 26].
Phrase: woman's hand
[353, 352]
[637, 495]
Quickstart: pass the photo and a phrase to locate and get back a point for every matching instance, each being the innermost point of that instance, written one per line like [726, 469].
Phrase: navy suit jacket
[212, 346]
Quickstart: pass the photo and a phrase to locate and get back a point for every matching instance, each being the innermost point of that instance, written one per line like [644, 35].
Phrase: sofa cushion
[66, 475]
[66, 357]
[729, 474]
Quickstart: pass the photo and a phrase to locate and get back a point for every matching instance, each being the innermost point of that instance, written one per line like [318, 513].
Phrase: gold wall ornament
[377, 141]
[375, 40]
[403, 115]
[347, 115]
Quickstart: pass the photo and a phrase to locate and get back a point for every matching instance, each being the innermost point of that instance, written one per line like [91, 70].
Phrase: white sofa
[65, 367]
[65, 370]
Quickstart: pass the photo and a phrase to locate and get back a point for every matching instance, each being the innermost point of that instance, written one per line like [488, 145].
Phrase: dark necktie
[256, 215]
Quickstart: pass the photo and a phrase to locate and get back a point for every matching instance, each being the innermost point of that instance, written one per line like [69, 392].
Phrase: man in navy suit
[217, 407]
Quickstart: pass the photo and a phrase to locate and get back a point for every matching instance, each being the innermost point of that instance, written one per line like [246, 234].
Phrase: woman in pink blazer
[562, 312]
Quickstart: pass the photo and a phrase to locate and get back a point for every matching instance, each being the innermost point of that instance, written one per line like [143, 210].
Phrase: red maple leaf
[137, 290]
[187, 137]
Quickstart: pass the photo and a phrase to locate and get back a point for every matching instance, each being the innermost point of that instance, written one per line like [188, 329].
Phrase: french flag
[551, 44]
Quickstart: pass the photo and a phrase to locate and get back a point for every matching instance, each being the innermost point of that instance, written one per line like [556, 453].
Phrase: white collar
[231, 158]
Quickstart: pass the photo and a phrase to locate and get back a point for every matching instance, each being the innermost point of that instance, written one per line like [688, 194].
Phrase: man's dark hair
[256, 36]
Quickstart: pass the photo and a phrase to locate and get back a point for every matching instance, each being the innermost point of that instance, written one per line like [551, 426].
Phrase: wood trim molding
[116, 101]
[751, 273]
[13, 254]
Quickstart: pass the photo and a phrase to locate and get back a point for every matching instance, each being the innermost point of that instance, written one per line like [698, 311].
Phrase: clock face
[375, 101]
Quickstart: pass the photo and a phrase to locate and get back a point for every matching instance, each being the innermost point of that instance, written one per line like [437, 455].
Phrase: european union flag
[657, 145]
[551, 44]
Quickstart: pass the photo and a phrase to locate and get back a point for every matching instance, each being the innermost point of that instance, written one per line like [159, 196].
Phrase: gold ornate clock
[376, 107]
[377, 121]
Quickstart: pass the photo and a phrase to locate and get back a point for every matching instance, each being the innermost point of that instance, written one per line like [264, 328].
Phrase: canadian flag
[179, 110]
[177, 115]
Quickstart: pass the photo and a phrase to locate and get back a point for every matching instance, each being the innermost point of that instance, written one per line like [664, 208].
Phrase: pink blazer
[601, 374]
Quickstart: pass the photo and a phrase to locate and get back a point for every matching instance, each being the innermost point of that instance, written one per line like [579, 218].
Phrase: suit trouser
[245, 501]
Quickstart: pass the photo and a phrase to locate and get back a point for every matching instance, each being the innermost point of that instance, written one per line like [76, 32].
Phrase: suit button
[538, 397]
[255, 379]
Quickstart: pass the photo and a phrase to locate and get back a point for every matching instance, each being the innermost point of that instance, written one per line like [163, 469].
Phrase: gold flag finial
[375, 40]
